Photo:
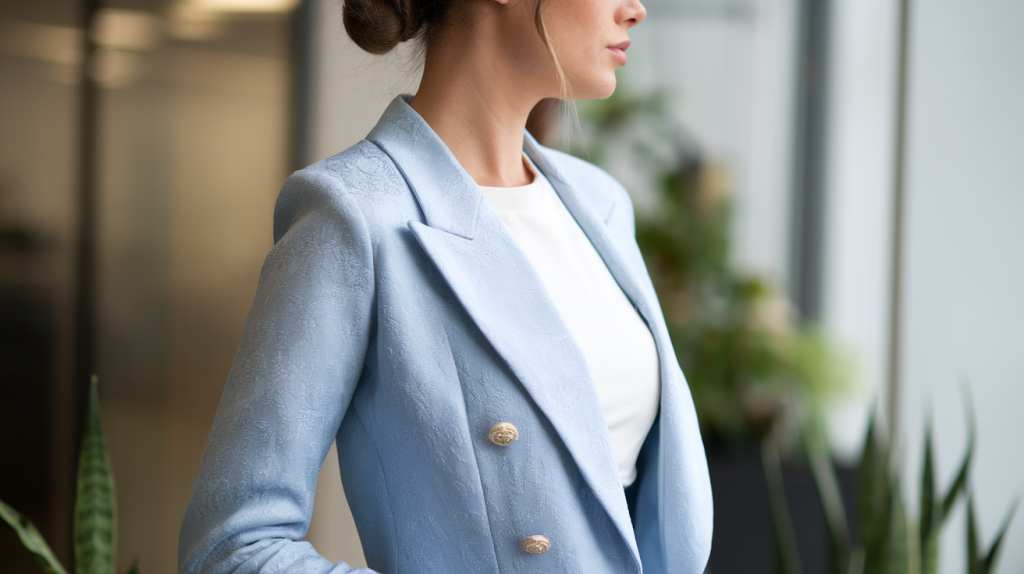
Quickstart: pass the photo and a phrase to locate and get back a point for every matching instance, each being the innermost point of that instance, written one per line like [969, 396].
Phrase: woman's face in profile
[590, 38]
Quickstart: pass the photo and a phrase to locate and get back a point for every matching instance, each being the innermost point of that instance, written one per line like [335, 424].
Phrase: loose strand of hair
[565, 91]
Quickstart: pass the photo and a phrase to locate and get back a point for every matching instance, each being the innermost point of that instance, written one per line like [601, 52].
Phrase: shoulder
[358, 182]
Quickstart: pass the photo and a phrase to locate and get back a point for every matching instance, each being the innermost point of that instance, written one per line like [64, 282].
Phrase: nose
[635, 12]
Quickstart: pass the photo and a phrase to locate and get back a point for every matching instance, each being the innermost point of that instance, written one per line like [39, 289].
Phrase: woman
[468, 315]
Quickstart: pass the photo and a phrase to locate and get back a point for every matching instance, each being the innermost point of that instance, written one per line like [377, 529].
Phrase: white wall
[734, 72]
[964, 242]
[858, 238]
[351, 88]
[964, 293]
[350, 91]
[731, 65]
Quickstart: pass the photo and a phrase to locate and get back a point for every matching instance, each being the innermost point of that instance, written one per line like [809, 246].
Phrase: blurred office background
[136, 196]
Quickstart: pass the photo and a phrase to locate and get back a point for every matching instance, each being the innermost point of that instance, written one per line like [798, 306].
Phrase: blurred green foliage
[752, 367]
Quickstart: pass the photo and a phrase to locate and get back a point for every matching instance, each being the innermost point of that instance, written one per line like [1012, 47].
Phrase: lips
[619, 51]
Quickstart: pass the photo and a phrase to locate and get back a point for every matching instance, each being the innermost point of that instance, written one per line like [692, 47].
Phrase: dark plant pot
[743, 541]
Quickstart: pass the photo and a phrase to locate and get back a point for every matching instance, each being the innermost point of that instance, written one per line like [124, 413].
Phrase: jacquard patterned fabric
[616, 343]
[396, 315]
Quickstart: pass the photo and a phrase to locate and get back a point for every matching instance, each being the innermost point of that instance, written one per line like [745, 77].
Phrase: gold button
[503, 434]
[535, 544]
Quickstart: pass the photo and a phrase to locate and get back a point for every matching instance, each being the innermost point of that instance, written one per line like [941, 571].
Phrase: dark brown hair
[377, 26]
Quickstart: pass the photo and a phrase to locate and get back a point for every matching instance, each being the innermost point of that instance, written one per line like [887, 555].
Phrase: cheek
[578, 30]
[590, 70]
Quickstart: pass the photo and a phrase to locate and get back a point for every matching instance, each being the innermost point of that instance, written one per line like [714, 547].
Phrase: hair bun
[377, 26]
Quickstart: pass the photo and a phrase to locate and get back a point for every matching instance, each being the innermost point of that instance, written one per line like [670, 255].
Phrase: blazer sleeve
[297, 366]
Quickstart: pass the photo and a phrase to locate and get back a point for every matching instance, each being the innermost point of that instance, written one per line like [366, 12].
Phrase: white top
[615, 341]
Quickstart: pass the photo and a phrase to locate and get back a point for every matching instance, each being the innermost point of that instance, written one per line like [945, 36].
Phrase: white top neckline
[615, 341]
[518, 198]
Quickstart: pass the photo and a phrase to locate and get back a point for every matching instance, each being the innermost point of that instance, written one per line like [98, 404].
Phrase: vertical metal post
[899, 184]
[85, 245]
[807, 247]
[303, 25]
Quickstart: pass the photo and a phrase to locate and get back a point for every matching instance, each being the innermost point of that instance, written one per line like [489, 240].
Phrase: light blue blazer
[396, 315]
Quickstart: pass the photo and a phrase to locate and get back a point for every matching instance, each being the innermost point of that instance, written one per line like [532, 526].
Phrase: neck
[474, 106]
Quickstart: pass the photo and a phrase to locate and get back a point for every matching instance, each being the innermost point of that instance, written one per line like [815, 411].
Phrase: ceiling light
[259, 6]
[126, 30]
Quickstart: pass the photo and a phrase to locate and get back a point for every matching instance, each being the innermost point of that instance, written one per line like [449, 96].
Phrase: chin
[597, 90]
[606, 89]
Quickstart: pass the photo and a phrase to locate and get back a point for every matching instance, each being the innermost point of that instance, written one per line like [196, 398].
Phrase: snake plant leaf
[95, 515]
[897, 551]
[31, 539]
[927, 482]
[930, 519]
[989, 561]
[875, 501]
[787, 554]
[876, 548]
[973, 563]
[856, 565]
[831, 501]
[959, 485]
[866, 482]
[134, 568]
[929, 552]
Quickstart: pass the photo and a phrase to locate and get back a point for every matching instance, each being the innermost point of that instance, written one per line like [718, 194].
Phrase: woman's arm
[297, 366]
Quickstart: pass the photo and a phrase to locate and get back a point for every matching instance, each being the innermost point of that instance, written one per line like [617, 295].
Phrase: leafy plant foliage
[31, 539]
[95, 532]
[751, 367]
[889, 541]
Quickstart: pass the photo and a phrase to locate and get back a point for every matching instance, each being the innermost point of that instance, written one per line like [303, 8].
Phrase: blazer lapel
[683, 484]
[592, 214]
[498, 287]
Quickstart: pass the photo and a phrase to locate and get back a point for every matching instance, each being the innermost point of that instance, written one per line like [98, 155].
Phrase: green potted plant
[890, 540]
[95, 535]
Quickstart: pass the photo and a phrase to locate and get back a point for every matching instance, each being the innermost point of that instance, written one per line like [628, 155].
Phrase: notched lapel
[447, 194]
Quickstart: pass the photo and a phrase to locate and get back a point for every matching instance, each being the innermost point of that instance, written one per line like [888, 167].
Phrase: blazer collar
[451, 205]
[447, 194]
[500, 290]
